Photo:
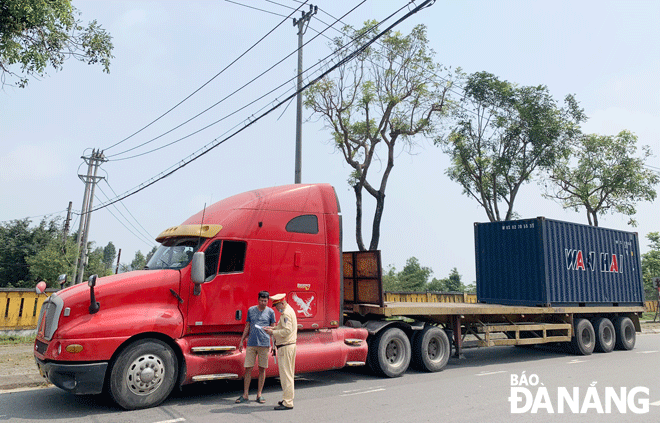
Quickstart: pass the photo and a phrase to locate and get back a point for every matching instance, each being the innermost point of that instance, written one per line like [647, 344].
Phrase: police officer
[285, 334]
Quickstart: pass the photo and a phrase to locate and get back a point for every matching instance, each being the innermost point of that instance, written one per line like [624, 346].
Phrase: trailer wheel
[389, 353]
[143, 375]
[605, 337]
[584, 338]
[430, 349]
[625, 333]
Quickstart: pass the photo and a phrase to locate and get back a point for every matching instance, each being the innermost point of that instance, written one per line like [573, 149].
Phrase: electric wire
[139, 236]
[145, 231]
[231, 94]
[206, 83]
[215, 143]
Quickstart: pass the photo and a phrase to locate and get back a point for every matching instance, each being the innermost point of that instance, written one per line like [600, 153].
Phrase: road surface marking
[646, 352]
[490, 373]
[657, 403]
[181, 419]
[576, 361]
[362, 392]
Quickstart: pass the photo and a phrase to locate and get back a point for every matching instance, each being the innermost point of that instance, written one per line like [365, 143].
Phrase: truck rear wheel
[584, 338]
[625, 333]
[389, 353]
[430, 349]
[605, 337]
[143, 375]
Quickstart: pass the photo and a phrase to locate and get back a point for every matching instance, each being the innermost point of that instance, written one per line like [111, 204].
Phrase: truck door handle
[239, 315]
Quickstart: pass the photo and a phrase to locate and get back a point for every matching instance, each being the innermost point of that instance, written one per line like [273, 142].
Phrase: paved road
[471, 390]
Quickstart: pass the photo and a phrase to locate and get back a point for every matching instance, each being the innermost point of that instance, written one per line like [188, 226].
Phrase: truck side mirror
[62, 280]
[197, 271]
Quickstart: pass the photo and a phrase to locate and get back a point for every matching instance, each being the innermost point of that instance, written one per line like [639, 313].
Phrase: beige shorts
[251, 354]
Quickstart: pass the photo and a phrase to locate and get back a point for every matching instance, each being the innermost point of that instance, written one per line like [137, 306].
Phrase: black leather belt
[284, 345]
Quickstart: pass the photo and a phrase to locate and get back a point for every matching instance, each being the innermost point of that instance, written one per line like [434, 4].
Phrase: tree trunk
[358, 217]
[378, 214]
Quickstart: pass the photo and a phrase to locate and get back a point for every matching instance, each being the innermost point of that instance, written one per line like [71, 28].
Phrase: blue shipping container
[543, 262]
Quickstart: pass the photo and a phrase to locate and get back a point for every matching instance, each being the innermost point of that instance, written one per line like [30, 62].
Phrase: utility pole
[65, 232]
[93, 163]
[302, 27]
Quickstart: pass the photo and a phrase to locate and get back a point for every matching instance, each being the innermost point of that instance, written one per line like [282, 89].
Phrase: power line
[207, 82]
[140, 236]
[215, 143]
[146, 232]
[256, 8]
[33, 217]
[234, 92]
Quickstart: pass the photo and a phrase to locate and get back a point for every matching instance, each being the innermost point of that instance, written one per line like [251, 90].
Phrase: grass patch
[16, 339]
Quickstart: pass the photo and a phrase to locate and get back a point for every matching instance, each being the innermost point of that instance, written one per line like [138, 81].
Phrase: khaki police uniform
[285, 334]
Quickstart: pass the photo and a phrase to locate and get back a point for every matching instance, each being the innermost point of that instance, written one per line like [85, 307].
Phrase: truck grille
[49, 316]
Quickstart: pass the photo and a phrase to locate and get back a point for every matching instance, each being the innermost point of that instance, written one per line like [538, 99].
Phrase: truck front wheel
[143, 374]
[389, 353]
[430, 349]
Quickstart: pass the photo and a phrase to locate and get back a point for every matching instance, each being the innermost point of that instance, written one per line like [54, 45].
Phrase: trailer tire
[143, 375]
[625, 333]
[430, 349]
[389, 353]
[605, 335]
[584, 338]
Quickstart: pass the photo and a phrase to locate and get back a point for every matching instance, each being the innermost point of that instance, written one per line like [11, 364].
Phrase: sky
[605, 53]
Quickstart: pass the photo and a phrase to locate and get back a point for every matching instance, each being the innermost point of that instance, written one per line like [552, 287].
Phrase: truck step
[212, 349]
[355, 363]
[201, 378]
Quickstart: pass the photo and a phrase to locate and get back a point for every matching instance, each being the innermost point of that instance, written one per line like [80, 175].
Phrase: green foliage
[109, 254]
[603, 176]
[52, 260]
[502, 134]
[18, 242]
[139, 261]
[36, 34]
[452, 283]
[415, 278]
[651, 265]
[16, 339]
[379, 102]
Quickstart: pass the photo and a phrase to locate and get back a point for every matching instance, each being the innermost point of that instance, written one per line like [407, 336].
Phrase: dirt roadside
[18, 369]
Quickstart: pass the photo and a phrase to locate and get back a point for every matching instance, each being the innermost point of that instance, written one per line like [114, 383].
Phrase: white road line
[646, 352]
[490, 373]
[360, 390]
[363, 392]
[657, 403]
[181, 419]
[576, 361]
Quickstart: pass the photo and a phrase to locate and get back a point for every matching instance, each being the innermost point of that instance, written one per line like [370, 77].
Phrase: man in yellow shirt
[285, 334]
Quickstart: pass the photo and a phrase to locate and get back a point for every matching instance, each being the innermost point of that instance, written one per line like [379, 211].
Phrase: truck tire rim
[628, 333]
[145, 374]
[586, 338]
[607, 336]
[434, 349]
[394, 351]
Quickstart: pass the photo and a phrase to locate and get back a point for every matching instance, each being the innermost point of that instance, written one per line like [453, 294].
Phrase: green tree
[54, 259]
[109, 254]
[391, 280]
[18, 242]
[452, 283]
[606, 176]
[95, 264]
[139, 261]
[36, 34]
[379, 102]
[651, 265]
[414, 277]
[504, 133]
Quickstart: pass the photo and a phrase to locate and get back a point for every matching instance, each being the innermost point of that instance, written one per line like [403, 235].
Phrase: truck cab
[179, 320]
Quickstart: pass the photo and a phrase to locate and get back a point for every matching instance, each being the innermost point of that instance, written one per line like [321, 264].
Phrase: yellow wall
[20, 309]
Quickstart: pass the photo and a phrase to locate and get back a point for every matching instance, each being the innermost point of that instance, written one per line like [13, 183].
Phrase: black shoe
[282, 407]
[280, 402]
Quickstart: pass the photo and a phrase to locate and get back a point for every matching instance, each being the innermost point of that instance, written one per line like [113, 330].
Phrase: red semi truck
[140, 334]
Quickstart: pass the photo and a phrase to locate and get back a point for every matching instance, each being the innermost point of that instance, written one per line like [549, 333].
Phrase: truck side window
[305, 224]
[233, 257]
[211, 256]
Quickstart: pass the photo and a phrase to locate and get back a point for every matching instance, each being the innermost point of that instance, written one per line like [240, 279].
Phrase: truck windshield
[174, 253]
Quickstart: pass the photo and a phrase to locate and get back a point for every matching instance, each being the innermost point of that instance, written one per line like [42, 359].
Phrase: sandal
[261, 400]
[241, 399]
